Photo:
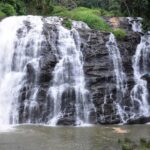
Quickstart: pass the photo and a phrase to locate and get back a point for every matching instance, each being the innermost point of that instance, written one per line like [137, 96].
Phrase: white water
[13, 61]
[68, 74]
[21, 43]
[136, 23]
[139, 94]
[120, 76]
[8, 79]
[80, 25]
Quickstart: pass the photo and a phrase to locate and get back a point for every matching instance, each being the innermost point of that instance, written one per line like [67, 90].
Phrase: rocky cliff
[40, 58]
[99, 71]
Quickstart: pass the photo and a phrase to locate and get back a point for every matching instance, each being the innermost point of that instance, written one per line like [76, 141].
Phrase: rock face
[119, 22]
[99, 71]
[38, 111]
[99, 77]
[34, 101]
[127, 23]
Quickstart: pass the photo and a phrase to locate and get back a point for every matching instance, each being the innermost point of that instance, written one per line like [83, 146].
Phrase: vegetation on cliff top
[119, 33]
[75, 9]
[89, 16]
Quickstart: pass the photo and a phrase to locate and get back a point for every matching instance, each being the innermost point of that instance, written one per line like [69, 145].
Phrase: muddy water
[29, 137]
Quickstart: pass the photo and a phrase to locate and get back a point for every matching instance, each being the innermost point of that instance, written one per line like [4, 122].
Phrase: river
[29, 137]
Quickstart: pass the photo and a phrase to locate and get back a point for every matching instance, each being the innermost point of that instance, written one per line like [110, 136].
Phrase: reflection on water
[69, 138]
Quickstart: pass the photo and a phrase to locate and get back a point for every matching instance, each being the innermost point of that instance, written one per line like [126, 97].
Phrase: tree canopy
[136, 8]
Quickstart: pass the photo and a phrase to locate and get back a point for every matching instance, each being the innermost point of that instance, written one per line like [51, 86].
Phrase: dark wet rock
[99, 72]
[146, 77]
[99, 77]
[42, 76]
[139, 120]
[68, 102]
[66, 121]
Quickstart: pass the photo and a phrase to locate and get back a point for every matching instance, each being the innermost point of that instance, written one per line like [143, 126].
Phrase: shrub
[89, 16]
[12, 2]
[2, 14]
[59, 10]
[7, 9]
[20, 8]
[127, 140]
[126, 147]
[119, 33]
[127, 144]
[146, 24]
[144, 143]
[67, 23]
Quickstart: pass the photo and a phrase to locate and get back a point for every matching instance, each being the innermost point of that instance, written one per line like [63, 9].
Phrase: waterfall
[68, 76]
[120, 76]
[135, 23]
[139, 93]
[19, 47]
[24, 41]
[42, 74]
[10, 79]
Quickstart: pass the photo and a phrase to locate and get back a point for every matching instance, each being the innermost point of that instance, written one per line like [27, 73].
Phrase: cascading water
[140, 94]
[135, 23]
[42, 77]
[69, 77]
[120, 76]
[16, 52]
[21, 51]
[140, 105]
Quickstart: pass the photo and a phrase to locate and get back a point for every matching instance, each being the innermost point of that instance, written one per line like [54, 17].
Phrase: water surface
[29, 137]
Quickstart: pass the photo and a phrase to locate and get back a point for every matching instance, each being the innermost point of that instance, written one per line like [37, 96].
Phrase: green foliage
[146, 25]
[127, 140]
[67, 23]
[128, 144]
[2, 14]
[7, 9]
[119, 33]
[11, 2]
[144, 143]
[138, 8]
[59, 10]
[75, 9]
[89, 16]
[39, 7]
[20, 8]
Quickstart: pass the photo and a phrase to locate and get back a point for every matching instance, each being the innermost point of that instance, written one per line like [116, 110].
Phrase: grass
[119, 33]
[89, 16]
[128, 144]
[67, 23]
[2, 14]
[6, 10]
